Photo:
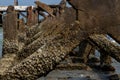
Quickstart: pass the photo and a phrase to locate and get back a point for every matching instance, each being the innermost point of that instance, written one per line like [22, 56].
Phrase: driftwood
[106, 46]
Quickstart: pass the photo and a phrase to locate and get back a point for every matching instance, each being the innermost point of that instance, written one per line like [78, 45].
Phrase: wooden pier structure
[32, 47]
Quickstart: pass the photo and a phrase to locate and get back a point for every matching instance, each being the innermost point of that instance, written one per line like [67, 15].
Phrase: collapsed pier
[34, 47]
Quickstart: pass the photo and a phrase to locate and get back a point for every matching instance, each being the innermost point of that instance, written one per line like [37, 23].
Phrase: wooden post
[84, 51]
[29, 16]
[10, 42]
[21, 33]
[16, 2]
[10, 31]
[1, 18]
[36, 17]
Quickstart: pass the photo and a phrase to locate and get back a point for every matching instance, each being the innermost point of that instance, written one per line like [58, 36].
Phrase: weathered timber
[30, 16]
[39, 32]
[72, 66]
[101, 15]
[49, 27]
[54, 52]
[15, 2]
[106, 46]
[12, 59]
[6, 62]
[45, 7]
[44, 30]
[48, 31]
[10, 42]
[1, 18]
[49, 51]
[36, 32]
[62, 6]
[21, 33]
[105, 59]
[14, 39]
[84, 50]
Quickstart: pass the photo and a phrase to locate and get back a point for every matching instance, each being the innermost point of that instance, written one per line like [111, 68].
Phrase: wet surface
[90, 74]
[75, 75]
[81, 74]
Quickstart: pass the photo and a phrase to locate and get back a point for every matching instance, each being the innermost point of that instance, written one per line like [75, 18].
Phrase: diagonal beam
[44, 7]
[105, 45]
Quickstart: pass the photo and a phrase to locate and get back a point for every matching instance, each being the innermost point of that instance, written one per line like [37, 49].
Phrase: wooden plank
[45, 7]
[18, 8]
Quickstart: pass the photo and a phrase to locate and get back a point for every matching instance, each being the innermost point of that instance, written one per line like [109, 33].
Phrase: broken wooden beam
[106, 46]
[38, 63]
[47, 30]
[11, 59]
[84, 50]
[45, 7]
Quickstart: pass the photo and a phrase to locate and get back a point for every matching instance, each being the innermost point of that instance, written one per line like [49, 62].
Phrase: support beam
[32, 17]
[10, 25]
[10, 42]
[1, 18]
[38, 63]
[17, 8]
[84, 51]
[16, 2]
[106, 46]
[44, 7]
